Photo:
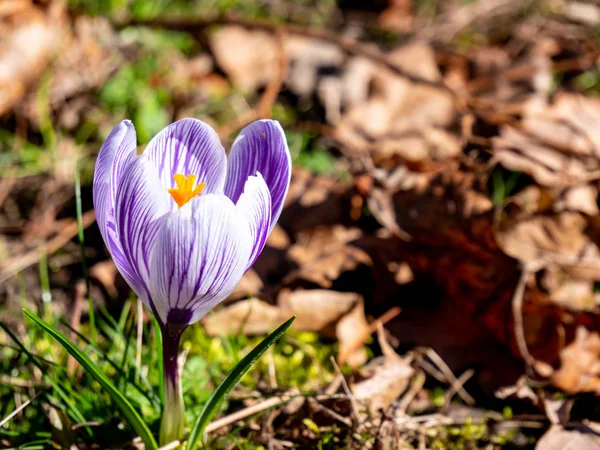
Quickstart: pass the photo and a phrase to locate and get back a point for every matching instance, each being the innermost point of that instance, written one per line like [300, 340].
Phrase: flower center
[185, 190]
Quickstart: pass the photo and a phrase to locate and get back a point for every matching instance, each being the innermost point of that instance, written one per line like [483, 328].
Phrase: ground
[438, 244]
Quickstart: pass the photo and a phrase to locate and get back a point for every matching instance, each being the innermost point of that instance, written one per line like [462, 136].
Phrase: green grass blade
[159, 351]
[76, 414]
[80, 235]
[133, 418]
[149, 393]
[231, 380]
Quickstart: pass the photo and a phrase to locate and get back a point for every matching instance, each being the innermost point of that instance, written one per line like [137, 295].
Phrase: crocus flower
[183, 222]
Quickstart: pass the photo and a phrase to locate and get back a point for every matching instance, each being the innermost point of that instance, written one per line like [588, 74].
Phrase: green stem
[173, 417]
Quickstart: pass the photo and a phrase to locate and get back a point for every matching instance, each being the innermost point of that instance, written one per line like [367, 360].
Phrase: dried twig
[355, 412]
[170, 446]
[460, 381]
[441, 364]
[17, 411]
[517, 310]
[246, 412]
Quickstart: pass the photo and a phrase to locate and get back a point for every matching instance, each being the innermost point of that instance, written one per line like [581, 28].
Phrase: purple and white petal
[141, 208]
[115, 154]
[260, 147]
[255, 205]
[189, 147]
[201, 254]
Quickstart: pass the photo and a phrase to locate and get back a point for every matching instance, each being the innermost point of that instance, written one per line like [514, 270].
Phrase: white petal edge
[255, 205]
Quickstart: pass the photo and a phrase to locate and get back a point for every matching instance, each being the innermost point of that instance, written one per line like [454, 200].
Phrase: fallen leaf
[386, 378]
[250, 317]
[317, 308]
[352, 332]
[580, 364]
[557, 438]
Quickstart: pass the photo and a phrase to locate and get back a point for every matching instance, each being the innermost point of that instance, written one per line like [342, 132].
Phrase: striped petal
[260, 147]
[201, 253]
[255, 205]
[115, 154]
[188, 147]
[140, 210]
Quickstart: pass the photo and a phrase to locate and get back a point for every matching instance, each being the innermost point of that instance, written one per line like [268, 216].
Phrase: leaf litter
[459, 221]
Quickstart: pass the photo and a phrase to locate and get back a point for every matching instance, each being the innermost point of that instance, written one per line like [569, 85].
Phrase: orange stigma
[185, 190]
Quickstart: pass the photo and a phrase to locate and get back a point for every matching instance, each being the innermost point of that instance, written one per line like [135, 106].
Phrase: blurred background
[439, 243]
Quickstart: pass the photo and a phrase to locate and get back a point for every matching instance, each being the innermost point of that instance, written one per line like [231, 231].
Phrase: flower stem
[173, 416]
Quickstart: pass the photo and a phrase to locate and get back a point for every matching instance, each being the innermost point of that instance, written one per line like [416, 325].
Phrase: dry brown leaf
[407, 116]
[580, 364]
[557, 438]
[549, 167]
[569, 123]
[105, 272]
[251, 317]
[425, 144]
[327, 267]
[386, 379]
[352, 331]
[559, 238]
[317, 308]
[315, 242]
[29, 37]
[568, 291]
[248, 57]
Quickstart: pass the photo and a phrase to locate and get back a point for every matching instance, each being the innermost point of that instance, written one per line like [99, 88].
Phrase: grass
[31, 362]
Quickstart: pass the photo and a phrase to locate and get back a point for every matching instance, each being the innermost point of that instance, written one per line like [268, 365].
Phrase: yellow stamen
[185, 190]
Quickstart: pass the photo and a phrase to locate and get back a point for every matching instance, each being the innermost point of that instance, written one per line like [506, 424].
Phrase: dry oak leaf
[580, 364]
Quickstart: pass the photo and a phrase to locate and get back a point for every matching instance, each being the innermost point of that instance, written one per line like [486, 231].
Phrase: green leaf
[133, 418]
[231, 380]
